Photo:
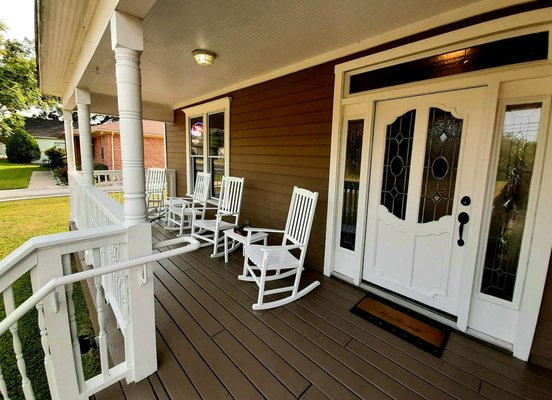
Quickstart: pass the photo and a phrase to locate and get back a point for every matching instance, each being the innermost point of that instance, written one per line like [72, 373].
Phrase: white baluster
[3, 387]
[9, 303]
[66, 260]
[102, 337]
[46, 349]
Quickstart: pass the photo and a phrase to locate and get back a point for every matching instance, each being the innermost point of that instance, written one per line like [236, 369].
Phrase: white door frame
[540, 249]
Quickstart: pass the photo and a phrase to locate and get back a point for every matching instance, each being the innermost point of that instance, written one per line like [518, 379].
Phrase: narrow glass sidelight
[216, 151]
[349, 208]
[444, 135]
[512, 187]
[396, 164]
[196, 145]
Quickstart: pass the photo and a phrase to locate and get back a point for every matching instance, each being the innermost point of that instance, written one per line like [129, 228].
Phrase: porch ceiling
[251, 38]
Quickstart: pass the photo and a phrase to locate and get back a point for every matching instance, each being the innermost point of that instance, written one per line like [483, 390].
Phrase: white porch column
[83, 110]
[127, 43]
[69, 139]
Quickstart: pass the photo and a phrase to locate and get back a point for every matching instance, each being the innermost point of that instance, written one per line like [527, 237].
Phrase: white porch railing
[111, 181]
[125, 285]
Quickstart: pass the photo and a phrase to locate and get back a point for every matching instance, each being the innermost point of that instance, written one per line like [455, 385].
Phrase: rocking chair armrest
[225, 214]
[269, 249]
[179, 201]
[267, 230]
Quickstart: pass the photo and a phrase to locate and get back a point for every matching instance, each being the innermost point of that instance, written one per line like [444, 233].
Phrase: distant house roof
[43, 128]
[150, 128]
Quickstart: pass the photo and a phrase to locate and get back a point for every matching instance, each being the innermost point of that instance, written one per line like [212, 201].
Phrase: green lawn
[19, 221]
[17, 176]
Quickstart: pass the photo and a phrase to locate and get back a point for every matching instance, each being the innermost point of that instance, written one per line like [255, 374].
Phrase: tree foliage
[22, 148]
[19, 89]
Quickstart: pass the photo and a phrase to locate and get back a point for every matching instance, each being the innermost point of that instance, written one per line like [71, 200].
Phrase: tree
[22, 147]
[19, 89]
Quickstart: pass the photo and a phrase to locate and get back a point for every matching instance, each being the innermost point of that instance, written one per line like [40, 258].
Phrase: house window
[207, 142]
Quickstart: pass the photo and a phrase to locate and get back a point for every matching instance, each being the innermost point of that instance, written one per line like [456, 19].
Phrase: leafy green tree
[19, 89]
[22, 147]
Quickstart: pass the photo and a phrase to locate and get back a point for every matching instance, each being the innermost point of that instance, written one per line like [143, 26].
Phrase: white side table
[238, 239]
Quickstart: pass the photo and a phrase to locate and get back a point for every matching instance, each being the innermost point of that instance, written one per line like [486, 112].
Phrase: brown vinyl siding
[176, 150]
[280, 134]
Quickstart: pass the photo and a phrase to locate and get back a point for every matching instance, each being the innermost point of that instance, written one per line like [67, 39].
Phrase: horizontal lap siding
[280, 138]
[176, 149]
[280, 134]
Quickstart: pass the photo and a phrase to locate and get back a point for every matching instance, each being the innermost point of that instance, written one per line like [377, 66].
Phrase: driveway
[42, 184]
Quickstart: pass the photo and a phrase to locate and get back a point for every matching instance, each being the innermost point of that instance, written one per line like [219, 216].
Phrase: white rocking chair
[277, 262]
[180, 210]
[227, 216]
[155, 191]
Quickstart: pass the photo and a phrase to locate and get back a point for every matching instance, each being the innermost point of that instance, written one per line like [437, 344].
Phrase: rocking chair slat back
[231, 192]
[201, 188]
[300, 217]
[155, 180]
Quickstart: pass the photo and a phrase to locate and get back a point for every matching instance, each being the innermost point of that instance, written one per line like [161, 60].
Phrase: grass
[19, 221]
[17, 176]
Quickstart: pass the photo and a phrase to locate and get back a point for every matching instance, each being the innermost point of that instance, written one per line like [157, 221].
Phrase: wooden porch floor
[212, 345]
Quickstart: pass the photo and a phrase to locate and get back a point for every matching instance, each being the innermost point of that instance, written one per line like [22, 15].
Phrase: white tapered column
[69, 139]
[83, 110]
[126, 35]
[140, 347]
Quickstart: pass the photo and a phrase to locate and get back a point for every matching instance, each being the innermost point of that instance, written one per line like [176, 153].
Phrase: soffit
[250, 37]
[63, 25]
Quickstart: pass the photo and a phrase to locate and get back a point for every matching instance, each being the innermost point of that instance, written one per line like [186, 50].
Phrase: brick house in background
[106, 144]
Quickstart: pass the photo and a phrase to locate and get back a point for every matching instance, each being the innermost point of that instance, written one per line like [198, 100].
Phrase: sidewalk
[42, 184]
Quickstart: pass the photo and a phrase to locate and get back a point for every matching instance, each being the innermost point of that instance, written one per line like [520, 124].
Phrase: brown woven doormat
[409, 325]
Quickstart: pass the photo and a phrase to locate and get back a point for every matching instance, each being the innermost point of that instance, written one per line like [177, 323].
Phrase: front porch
[212, 345]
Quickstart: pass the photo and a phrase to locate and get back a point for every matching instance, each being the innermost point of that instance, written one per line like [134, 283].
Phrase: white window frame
[203, 110]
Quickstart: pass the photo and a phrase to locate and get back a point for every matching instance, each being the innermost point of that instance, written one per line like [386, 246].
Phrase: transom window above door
[207, 142]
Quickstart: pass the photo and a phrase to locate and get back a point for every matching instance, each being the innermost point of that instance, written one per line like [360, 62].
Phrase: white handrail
[55, 240]
[52, 284]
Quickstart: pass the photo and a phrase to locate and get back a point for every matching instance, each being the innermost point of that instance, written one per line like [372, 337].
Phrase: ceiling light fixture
[204, 57]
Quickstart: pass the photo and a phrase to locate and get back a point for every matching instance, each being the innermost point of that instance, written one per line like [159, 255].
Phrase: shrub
[56, 157]
[22, 148]
[100, 167]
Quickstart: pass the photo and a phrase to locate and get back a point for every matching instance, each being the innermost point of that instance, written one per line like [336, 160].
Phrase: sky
[18, 15]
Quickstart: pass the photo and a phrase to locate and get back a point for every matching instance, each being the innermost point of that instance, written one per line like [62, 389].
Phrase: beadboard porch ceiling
[254, 40]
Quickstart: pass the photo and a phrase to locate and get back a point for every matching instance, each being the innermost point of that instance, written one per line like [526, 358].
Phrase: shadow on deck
[212, 345]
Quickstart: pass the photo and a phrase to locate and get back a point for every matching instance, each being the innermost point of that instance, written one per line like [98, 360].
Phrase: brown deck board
[268, 355]
[171, 374]
[234, 381]
[266, 383]
[159, 389]
[212, 345]
[112, 392]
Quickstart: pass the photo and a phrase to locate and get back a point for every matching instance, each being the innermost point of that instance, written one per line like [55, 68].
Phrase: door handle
[463, 218]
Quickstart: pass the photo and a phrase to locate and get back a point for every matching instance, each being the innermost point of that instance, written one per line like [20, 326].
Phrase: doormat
[409, 325]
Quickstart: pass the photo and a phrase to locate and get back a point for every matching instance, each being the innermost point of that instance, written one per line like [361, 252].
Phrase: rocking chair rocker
[278, 262]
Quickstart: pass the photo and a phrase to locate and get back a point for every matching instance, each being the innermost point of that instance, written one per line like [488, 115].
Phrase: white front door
[424, 178]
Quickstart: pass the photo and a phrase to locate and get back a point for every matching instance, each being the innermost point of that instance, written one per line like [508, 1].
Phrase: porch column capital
[69, 140]
[85, 138]
[126, 32]
[82, 96]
